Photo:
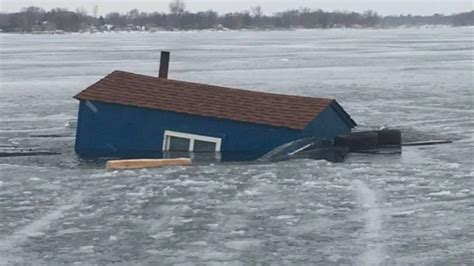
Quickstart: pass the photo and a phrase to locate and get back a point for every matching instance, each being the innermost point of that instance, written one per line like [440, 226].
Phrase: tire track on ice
[9, 243]
[367, 200]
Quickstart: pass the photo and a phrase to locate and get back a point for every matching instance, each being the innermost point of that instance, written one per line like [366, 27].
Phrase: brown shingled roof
[205, 100]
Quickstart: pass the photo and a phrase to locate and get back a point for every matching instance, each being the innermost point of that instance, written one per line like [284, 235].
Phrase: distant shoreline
[59, 21]
[234, 30]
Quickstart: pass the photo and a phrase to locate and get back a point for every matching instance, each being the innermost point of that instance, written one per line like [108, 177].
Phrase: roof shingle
[279, 110]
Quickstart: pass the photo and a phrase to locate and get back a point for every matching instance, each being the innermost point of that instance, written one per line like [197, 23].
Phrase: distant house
[130, 115]
[44, 26]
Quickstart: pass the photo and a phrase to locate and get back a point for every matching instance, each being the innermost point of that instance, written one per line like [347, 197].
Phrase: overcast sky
[383, 7]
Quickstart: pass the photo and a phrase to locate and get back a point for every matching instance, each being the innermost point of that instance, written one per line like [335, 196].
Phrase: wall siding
[327, 125]
[126, 131]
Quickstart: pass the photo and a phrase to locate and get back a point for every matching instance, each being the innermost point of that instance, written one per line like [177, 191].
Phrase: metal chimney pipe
[164, 64]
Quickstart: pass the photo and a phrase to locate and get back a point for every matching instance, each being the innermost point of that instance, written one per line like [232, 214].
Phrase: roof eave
[343, 114]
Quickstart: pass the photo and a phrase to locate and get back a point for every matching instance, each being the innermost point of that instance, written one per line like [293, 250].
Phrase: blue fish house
[130, 115]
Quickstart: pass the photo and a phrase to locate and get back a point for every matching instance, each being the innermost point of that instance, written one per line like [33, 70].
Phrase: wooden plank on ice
[146, 163]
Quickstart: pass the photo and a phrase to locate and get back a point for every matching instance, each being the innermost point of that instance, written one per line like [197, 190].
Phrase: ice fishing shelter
[129, 115]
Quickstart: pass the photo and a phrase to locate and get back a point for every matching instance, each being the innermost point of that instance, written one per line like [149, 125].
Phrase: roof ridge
[219, 86]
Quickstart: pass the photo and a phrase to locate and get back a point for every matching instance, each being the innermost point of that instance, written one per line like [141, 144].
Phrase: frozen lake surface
[417, 207]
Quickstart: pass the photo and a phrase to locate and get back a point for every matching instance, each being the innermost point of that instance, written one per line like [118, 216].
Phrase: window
[178, 144]
[177, 141]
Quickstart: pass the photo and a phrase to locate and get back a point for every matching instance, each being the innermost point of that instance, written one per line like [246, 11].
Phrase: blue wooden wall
[329, 123]
[113, 130]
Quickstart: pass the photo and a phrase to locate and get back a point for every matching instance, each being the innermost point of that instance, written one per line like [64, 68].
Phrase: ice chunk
[35, 234]
[242, 244]
[86, 249]
[199, 243]
[403, 214]
[284, 217]
[164, 234]
[440, 193]
[73, 230]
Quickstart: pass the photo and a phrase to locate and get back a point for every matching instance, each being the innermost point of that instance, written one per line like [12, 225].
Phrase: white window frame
[191, 137]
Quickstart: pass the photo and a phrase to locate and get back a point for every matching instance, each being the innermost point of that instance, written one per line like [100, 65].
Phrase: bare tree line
[33, 19]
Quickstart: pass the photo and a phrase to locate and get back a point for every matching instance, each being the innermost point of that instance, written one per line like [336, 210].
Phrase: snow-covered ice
[414, 208]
